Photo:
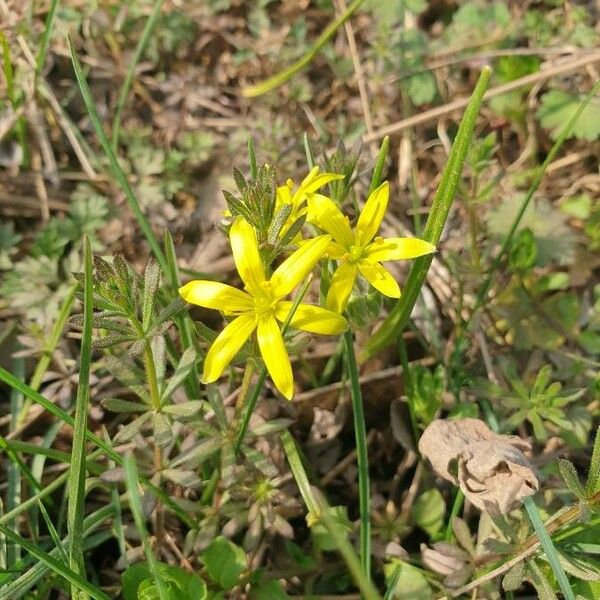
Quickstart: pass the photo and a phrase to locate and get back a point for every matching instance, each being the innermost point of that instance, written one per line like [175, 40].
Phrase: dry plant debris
[491, 469]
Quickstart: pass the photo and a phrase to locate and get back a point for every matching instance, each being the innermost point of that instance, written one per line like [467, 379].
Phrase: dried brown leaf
[490, 469]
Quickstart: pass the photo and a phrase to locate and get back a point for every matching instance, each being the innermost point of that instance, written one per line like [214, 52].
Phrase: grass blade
[279, 78]
[135, 503]
[115, 167]
[78, 582]
[14, 382]
[317, 511]
[549, 549]
[362, 458]
[43, 49]
[399, 315]
[77, 472]
[137, 55]
[566, 131]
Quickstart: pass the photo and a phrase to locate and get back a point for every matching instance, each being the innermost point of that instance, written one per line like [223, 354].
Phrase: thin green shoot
[279, 78]
[77, 472]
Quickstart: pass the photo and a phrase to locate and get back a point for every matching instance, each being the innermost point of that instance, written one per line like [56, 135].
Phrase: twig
[439, 111]
[360, 76]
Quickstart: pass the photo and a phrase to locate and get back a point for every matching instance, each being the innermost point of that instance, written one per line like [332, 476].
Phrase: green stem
[360, 432]
[248, 409]
[399, 315]
[408, 388]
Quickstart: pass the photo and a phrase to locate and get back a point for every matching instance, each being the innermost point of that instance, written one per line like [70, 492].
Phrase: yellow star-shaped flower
[359, 251]
[296, 198]
[261, 306]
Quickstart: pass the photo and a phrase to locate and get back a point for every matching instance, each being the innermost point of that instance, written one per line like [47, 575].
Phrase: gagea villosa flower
[360, 251]
[262, 306]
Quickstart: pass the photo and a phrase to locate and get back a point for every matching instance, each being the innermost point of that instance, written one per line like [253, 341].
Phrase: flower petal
[323, 213]
[227, 345]
[275, 355]
[380, 278]
[312, 318]
[372, 214]
[397, 249]
[212, 294]
[341, 286]
[244, 247]
[315, 180]
[298, 265]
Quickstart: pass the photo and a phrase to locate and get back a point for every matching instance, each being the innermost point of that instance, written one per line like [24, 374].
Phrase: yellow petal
[335, 251]
[244, 247]
[323, 213]
[380, 278]
[372, 214]
[212, 294]
[275, 355]
[397, 249]
[283, 195]
[312, 318]
[341, 286]
[316, 180]
[297, 266]
[227, 345]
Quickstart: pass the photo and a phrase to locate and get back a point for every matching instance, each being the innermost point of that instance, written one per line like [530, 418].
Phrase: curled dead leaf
[490, 469]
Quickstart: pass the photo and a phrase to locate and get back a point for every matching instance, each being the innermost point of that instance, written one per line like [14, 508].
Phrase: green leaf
[422, 88]
[593, 480]
[270, 590]
[514, 577]
[428, 511]
[187, 361]
[321, 536]
[571, 478]
[410, 581]
[224, 561]
[151, 282]
[137, 583]
[579, 206]
[557, 107]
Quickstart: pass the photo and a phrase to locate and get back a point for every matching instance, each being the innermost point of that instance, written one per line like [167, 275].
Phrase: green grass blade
[43, 49]
[54, 565]
[379, 164]
[115, 167]
[319, 511]
[566, 131]
[362, 458]
[279, 78]
[77, 472]
[137, 55]
[252, 159]
[14, 382]
[594, 471]
[184, 322]
[549, 549]
[399, 315]
[13, 491]
[135, 504]
[44, 361]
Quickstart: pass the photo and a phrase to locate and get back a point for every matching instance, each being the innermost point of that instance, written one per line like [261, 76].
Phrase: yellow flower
[297, 198]
[359, 251]
[261, 306]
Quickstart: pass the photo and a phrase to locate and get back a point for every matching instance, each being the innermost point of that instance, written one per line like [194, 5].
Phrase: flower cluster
[262, 305]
